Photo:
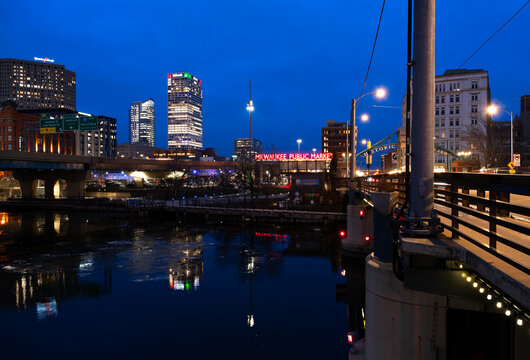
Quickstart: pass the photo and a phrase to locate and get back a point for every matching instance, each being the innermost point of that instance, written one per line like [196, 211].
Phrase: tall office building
[184, 111]
[142, 122]
[37, 84]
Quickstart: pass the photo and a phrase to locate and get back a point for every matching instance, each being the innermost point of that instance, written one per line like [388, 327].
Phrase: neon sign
[293, 156]
[43, 59]
[277, 237]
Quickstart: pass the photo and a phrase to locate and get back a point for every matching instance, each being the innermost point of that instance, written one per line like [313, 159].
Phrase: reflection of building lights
[343, 272]
[4, 218]
[250, 320]
[46, 309]
[179, 285]
[251, 266]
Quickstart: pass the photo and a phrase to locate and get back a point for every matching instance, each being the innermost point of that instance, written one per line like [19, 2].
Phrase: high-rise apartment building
[37, 85]
[184, 111]
[142, 122]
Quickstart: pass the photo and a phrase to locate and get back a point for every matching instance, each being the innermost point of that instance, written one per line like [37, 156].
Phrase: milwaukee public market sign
[293, 156]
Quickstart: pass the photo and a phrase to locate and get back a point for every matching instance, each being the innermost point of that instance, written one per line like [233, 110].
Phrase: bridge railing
[491, 211]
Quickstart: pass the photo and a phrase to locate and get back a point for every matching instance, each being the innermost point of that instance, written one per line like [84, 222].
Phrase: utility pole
[353, 132]
[422, 172]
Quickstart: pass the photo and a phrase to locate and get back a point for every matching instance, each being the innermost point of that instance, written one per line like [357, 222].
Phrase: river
[92, 286]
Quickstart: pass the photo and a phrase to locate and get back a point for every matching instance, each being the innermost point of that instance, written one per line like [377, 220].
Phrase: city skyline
[287, 71]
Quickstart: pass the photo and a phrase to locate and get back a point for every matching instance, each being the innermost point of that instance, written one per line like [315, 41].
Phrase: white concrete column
[401, 324]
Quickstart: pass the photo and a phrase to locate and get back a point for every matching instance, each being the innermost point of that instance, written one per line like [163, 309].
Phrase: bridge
[479, 260]
[28, 167]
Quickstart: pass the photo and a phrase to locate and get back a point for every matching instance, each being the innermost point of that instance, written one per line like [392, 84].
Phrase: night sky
[307, 59]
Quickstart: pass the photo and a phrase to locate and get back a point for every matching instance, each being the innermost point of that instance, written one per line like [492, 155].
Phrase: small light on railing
[507, 313]
[468, 279]
[475, 284]
[499, 304]
[481, 290]
[461, 266]
[519, 322]
[489, 297]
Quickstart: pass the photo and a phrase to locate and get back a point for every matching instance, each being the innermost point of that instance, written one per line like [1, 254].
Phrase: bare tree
[483, 138]
[272, 149]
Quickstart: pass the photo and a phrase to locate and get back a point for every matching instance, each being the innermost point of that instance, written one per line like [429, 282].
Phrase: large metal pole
[353, 173]
[422, 174]
[511, 136]
[250, 115]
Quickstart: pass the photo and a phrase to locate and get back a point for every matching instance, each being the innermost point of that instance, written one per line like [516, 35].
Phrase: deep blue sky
[307, 59]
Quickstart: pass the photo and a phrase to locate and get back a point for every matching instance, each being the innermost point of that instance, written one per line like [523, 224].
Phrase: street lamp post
[250, 109]
[492, 110]
[380, 94]
[299, 141]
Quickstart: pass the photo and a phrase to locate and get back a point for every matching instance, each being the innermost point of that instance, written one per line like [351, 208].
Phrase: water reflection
[242, 292]
[23, 289]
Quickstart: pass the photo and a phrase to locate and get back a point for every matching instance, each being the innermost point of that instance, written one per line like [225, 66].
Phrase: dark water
[76, 286]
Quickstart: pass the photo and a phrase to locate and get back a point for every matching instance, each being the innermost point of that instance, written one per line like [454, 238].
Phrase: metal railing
[491, 211]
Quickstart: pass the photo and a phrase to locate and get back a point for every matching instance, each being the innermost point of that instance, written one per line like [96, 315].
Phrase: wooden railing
[491, 211]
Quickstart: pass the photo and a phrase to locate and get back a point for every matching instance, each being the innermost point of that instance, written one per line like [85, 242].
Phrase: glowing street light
[299, 141]
[494, 109]
[379, 93]
[314, 151]
[364, 117]
[250, 109]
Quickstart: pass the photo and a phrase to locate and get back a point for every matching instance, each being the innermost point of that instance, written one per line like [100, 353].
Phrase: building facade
[99, 143]
[37, 85]
[244, 146]
[137, 150]
[461, 100]
[335, 137]
[184, 111]
[20, 131]
[142, 122]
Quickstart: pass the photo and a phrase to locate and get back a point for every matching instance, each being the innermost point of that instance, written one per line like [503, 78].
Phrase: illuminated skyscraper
[142, 122]
[37, 84]
[184, 111]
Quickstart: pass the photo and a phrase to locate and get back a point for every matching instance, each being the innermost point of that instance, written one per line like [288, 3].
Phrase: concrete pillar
[358, 227]
[384, 203]
[401, 323]
[76, 183]
[26, 188]
[49, 184]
